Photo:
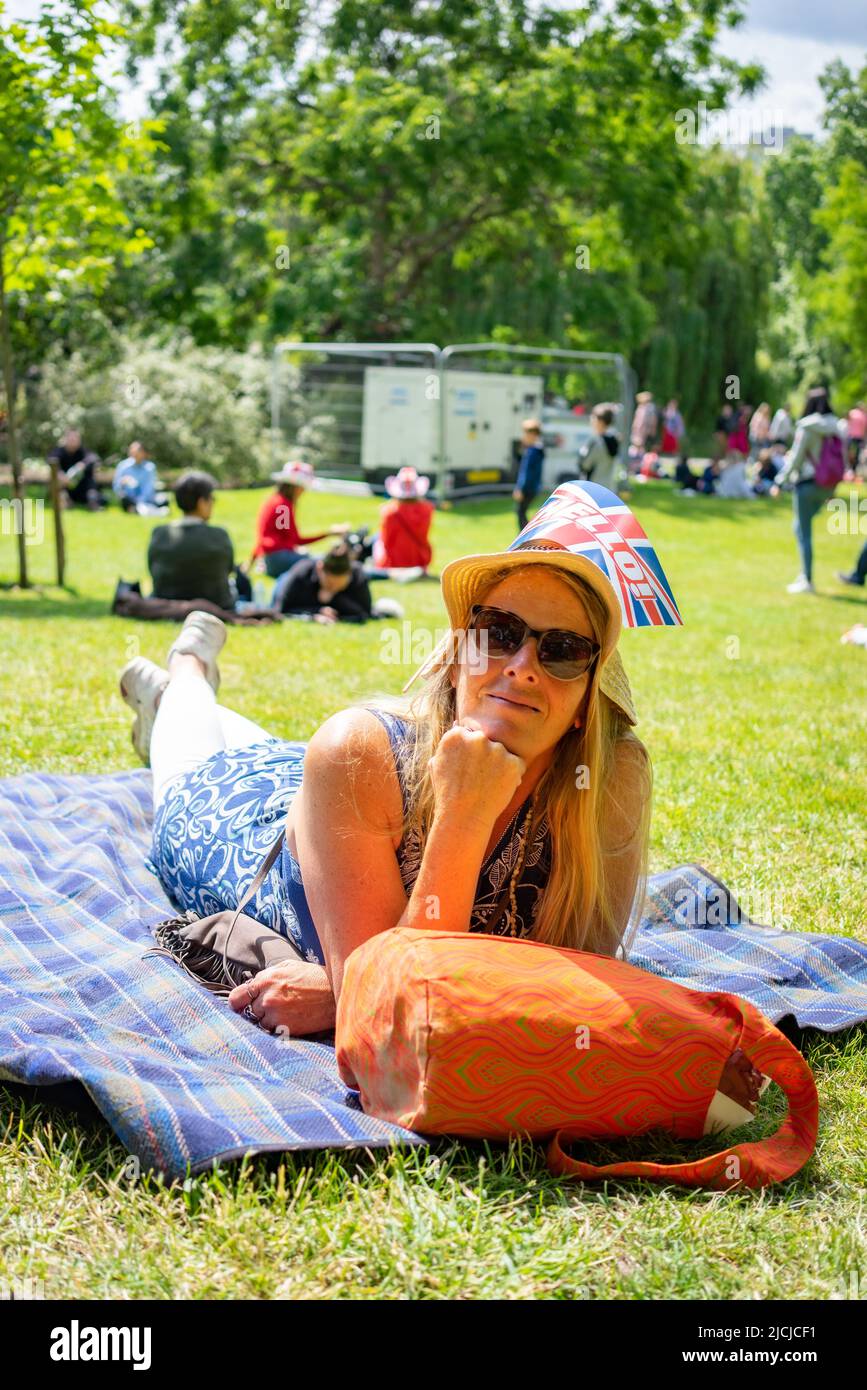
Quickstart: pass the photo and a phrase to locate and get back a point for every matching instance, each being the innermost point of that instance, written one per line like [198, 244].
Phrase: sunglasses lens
[565, 654]
[504, 632]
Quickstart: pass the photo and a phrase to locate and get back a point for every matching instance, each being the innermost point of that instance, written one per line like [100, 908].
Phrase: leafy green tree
[62, 223]
[839, 292]
[363, 171]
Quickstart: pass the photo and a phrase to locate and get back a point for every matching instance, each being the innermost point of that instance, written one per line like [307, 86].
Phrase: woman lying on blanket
[510, 796]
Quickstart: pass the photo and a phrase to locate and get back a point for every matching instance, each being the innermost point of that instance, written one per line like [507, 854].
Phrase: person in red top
[277, 534]
[402, 542]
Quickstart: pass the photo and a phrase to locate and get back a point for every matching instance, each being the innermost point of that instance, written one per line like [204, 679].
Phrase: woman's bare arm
[346, 852]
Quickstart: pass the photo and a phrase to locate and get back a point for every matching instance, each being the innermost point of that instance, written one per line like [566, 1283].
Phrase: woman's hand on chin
[294, 996]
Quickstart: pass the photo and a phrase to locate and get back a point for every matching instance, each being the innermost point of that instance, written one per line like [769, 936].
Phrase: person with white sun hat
[277, 536]
[508, 796]
[401, 549]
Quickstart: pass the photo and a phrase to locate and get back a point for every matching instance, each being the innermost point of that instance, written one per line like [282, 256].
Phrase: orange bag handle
[748, 1165]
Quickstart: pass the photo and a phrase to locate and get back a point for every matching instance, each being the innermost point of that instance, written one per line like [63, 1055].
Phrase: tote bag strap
[264, 868]
[750, 1164]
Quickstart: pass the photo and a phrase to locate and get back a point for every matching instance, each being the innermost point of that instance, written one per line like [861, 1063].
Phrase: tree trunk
[59, 543]
[11, 429]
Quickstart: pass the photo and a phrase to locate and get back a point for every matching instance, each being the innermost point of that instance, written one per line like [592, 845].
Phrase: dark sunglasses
[564, 655]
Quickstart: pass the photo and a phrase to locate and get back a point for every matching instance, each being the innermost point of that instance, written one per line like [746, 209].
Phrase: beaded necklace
[523, 841]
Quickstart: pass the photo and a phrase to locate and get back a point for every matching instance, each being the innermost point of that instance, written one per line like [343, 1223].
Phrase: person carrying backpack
[815, 465]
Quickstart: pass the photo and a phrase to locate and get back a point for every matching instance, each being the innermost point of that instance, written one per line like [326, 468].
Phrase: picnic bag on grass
[479, 1036]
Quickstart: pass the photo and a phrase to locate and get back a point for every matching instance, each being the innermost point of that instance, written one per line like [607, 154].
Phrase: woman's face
[514, 701]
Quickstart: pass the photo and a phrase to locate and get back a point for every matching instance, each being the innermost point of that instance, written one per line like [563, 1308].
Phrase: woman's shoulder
[353, 751]
[361, 733]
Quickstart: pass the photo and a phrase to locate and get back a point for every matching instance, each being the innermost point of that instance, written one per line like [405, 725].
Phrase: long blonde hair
[576, 908]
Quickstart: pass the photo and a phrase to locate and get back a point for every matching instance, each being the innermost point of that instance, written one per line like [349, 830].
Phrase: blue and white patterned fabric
[180, 1077]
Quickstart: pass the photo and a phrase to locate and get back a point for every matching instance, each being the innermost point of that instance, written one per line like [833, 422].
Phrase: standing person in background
[738, 441]
[405, 521]
[76, 472]
[135, 483]
[277, 534]
[597, 460]
[529, 477]
[782, 428]
[760, 429]
[722, 431]
[815, 464]
[673, 428]
[645, 422]
[856, 429]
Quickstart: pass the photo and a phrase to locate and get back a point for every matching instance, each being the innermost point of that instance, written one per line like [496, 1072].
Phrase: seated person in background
[684, 476]
[769, 463]
[189, 558]
[708, 480]
[597, 459]
[277, 534]
[328, 588]
[135, 483]
[76, 472]
[405, 521]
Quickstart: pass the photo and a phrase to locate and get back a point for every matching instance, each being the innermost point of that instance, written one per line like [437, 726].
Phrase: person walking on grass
[814, 466]
[857, 576]
[529, 478]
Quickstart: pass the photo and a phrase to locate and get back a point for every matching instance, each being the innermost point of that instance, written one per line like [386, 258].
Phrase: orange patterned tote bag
[483, 1037]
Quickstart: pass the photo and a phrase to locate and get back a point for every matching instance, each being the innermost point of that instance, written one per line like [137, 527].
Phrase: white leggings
[190, 726]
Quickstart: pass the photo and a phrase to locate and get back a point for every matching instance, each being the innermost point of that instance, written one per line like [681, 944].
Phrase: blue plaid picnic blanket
[182, 1079]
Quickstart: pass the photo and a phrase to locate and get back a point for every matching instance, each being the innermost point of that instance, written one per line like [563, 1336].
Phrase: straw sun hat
[585, 529]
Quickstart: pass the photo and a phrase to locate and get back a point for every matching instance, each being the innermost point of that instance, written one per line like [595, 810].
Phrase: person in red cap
[277, 535]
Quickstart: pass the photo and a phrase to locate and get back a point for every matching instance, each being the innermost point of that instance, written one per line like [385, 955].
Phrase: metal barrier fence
[360, 411]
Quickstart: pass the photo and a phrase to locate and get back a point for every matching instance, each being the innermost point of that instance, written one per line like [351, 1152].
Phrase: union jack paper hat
[586, 529]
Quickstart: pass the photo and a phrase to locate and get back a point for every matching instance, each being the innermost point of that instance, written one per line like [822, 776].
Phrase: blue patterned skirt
[214, 827]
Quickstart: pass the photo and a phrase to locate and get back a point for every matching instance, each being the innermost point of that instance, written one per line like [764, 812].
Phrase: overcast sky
[792, 39]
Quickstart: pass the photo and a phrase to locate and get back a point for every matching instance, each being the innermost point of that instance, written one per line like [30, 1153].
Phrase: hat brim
[464, 580]
[298, 480]
[420, 490]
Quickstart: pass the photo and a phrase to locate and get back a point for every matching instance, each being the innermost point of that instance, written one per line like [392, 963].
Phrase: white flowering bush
[192, 407]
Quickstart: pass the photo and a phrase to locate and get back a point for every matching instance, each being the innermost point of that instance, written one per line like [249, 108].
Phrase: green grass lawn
[754, 715]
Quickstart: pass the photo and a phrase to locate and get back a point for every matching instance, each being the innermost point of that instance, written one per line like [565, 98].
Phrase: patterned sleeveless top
[497, 867]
